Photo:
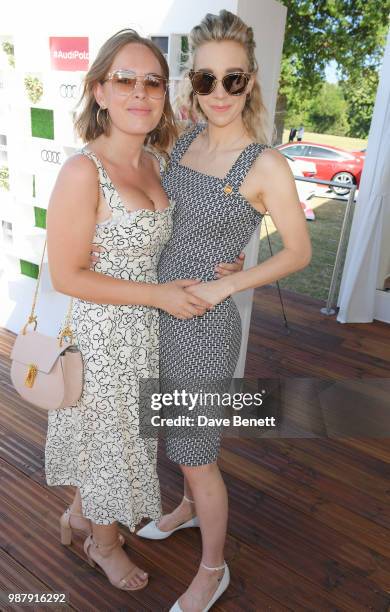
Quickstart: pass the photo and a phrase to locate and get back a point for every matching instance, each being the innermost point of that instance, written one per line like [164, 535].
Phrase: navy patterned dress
[212, 223]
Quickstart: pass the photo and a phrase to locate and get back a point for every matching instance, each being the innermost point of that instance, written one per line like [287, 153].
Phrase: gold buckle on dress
[228, 189]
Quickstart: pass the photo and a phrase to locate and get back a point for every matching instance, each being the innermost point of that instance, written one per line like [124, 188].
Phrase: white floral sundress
[95, 445]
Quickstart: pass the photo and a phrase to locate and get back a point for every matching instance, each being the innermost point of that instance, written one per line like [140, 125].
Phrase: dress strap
[110, 194]
[160, 157]
[184, 141]
[237, 173]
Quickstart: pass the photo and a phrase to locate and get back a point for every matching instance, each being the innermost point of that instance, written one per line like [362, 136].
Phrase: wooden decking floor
[309, 525]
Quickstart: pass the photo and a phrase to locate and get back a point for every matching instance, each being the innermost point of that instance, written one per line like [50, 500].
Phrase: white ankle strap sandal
[191, 501]
[152, 532]
[222, 586]
[214, 568]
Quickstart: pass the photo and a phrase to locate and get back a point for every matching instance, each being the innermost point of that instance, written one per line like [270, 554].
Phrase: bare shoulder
[269, 175]
[77, 181]
[79, 168]
[271, 160]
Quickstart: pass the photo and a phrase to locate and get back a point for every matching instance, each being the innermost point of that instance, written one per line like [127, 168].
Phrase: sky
[330, 72]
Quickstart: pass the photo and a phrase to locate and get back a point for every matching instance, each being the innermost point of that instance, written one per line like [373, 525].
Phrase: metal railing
[330, 302]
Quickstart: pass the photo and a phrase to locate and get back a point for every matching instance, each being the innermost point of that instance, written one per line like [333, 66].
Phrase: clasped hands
[188, 298]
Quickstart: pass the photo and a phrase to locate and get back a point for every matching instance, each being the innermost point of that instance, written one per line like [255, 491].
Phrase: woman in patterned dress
[111, 193]
[223, 180]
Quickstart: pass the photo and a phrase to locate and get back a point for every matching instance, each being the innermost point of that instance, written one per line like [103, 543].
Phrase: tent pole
[328, 309]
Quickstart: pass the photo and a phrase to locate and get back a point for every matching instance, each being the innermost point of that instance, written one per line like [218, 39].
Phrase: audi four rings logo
[53, 157]
[68, 91]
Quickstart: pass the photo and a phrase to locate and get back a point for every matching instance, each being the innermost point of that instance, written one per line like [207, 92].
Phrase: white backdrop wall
[362, 297]
[28, 26]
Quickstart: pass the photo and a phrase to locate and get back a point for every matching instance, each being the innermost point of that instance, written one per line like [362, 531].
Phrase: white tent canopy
[368, 255]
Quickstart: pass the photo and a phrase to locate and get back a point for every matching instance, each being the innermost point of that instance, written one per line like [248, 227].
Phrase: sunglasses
[234, 83]
[124, 83]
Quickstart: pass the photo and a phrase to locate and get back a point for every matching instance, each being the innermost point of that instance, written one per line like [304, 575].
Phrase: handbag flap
[38, 349]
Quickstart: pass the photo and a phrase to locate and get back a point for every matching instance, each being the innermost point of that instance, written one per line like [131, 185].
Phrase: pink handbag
[47, 371]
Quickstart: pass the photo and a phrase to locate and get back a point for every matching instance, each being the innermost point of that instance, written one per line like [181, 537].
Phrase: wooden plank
[14, 578]
[380, 449]
[24, 502]
[300, 356]
[40, 508]
[7, 340]
[308, 501]
[299, 307]
[296, 540]
[315, 525]
[64, 569]
[29, 506]
[316, 464]
[316, 335]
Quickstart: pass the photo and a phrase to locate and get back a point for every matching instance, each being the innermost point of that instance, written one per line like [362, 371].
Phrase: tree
[359, 92]
[351, 32]
[326, 112]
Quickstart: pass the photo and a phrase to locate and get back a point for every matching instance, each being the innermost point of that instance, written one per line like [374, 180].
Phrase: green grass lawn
[344, 142]
[324, 233]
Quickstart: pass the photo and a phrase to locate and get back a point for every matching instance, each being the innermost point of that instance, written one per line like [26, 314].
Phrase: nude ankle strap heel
[106, 547]
[66, 529]
[119, 584]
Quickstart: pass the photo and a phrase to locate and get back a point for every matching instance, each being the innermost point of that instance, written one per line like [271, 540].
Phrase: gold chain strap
[67, 330]
[32, 319]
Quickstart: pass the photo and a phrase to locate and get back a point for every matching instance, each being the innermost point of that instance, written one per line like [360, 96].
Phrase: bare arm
[279, 195]
[71, 223]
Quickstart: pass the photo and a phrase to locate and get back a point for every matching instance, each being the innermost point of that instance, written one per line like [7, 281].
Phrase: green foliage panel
[29, 269]
[34, 88]
[4, 178]
[42, 123]
[40, 217]
[8, 49]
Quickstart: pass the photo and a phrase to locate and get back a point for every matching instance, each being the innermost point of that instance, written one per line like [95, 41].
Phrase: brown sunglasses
[234, 83]
[124, 83]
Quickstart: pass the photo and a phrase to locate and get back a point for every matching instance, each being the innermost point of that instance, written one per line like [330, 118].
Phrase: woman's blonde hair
[221, 27]
[87, 125]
